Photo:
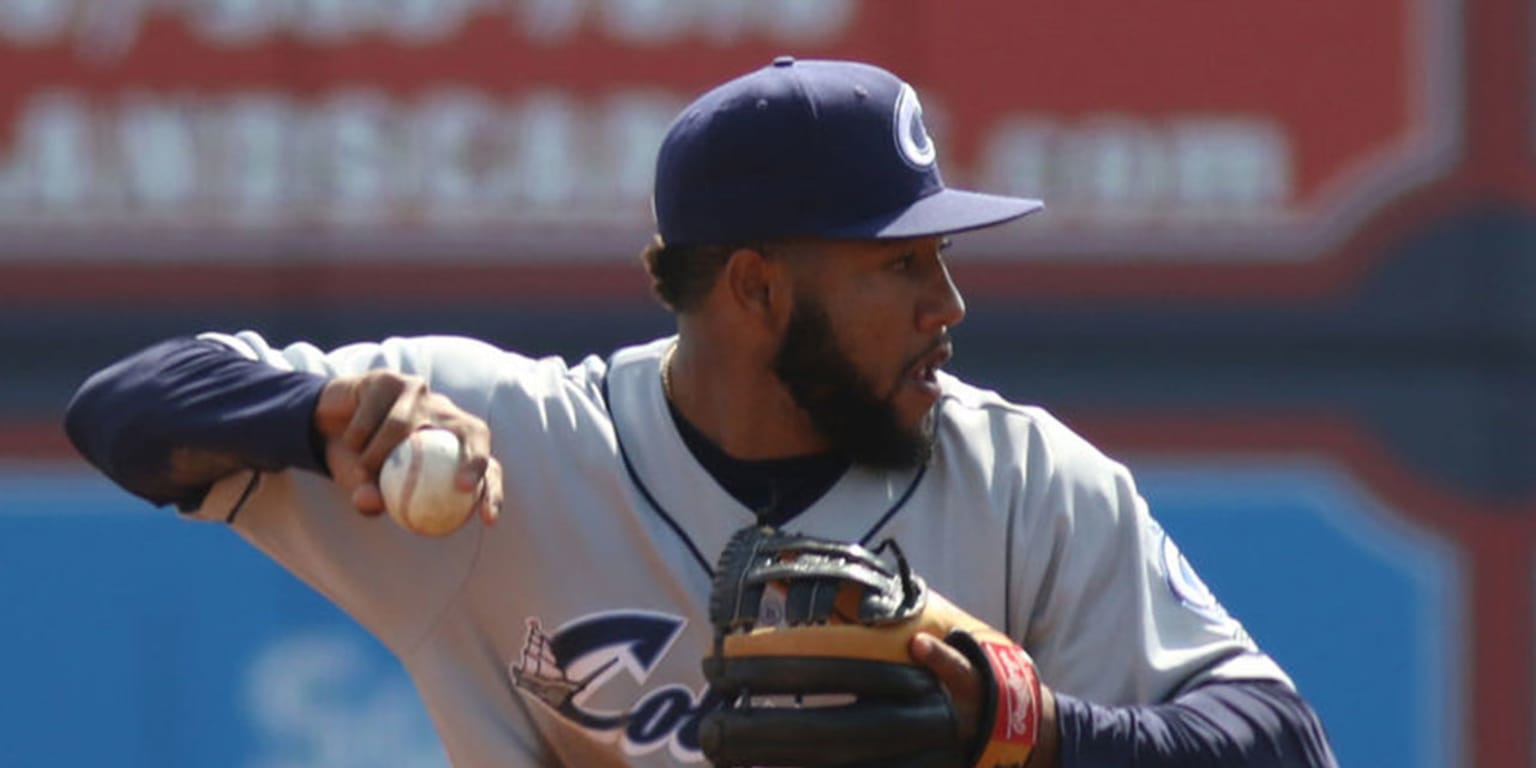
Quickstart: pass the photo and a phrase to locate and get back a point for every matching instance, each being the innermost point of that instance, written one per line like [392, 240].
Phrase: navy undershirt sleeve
[195, 395]
[1246, 723]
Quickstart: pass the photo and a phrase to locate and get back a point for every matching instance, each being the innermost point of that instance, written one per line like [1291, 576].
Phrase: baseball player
[801, 228]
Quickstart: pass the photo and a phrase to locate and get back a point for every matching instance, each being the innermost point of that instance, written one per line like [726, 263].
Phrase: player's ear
[759, 285]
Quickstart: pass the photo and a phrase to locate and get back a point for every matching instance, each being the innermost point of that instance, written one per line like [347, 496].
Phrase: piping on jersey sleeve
[245, 495]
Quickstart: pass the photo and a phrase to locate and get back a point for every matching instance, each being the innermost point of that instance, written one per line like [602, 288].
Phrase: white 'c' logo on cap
[911, 137]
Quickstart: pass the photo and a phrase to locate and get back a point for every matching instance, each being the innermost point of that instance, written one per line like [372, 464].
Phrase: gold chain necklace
[666, 371]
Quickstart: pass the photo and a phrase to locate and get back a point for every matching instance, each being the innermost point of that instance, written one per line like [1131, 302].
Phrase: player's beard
[842, 404]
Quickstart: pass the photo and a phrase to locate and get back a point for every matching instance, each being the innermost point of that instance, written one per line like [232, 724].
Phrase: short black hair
[681, 276]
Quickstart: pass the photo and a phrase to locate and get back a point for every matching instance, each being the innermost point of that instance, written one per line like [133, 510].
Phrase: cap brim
[942, 213]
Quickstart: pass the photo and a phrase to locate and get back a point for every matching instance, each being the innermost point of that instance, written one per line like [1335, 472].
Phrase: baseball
[418, 486]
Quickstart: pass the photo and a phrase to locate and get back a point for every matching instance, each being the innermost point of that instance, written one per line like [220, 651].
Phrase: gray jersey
[571, 632]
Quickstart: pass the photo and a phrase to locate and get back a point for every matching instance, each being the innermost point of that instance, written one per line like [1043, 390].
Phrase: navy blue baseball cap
[833, 149]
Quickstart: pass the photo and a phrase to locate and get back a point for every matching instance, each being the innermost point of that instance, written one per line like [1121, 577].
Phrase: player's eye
[902, 263]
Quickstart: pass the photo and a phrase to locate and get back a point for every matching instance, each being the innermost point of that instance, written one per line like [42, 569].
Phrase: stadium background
[1286, 273]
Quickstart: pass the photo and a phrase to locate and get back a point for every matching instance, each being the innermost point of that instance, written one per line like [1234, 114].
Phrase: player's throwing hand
[362, 418]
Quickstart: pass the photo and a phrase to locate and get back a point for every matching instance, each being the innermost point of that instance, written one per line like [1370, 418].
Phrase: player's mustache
[940, 342]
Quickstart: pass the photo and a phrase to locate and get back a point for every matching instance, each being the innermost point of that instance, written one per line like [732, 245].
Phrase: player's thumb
[334, 412]
[335, 408]
[957, 676]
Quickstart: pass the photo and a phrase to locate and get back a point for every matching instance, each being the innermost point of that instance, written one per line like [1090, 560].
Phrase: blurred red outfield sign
[239, 131]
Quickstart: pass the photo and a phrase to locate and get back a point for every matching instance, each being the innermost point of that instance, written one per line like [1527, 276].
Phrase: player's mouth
[923, 375]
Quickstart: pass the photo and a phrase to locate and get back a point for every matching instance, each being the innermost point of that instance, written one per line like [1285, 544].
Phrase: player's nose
[942, 306]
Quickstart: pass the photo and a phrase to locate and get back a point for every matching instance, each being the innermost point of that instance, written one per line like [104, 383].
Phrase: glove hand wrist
[1047, 749]
[1008, 723]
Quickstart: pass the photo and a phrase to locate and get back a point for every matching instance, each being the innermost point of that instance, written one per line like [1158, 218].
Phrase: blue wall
[1361, 608]
[134, 639]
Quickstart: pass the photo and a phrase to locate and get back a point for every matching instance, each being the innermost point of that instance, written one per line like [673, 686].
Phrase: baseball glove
[811, 656]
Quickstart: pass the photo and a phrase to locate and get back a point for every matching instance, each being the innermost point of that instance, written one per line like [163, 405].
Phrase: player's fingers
[379, 400]
[475, 445]
[334, 409]
[945, 662]
[490, 495]
[955, 673]
[472, 470]
[333, 415]
[478, 469]
[368, 499]
[389, 414]
[486, 510]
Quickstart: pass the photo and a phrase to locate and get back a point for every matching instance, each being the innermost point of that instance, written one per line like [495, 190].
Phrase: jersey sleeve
[1119, 615]
[391, 581]
[1249, 723]
[168, 420]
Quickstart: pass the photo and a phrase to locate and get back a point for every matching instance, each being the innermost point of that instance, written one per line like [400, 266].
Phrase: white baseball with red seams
[418, 484]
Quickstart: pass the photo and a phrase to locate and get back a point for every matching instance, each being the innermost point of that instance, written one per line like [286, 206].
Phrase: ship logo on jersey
[589, 669]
